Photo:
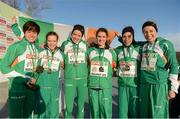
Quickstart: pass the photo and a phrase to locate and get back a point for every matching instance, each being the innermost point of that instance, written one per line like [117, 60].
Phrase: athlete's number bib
[128, 69]
[80, 58]
[54, 65]
[95, 69]
[152, 62]
[28, 66]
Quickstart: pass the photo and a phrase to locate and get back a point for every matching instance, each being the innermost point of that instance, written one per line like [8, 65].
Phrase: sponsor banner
[7, 37]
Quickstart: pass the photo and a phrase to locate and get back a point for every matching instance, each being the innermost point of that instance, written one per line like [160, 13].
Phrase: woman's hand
[33, 81]
[171, 95]
[14, 19]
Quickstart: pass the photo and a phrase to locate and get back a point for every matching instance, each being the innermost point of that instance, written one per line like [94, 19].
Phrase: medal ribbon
[101, 57]
[129, 53]
[33, 52]
[76, 50]
[149, 53]
[50, 60]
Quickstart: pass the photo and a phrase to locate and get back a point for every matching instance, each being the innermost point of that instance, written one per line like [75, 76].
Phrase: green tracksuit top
[51, 62]
[128, 63]
[19, 63]
[100, 72]
[154, 70]
[17, 30]
[75, 59]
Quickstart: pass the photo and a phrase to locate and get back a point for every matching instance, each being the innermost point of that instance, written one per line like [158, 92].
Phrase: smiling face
[127, 38]
[101, 39]
[76, 36]
[31, 36]
[52, 41]
[150, 33]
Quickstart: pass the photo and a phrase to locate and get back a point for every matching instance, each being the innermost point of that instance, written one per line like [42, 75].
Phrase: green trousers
[153, 101]
[100, 103]
[73, 87]
[128, 102]
[47, 103]
[21, 104]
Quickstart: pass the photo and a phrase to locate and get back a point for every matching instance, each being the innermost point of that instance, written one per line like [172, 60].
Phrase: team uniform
[19, 65]
[159, 72]
[128, 62]
[100, 82]
[75, 75]
[47, 105]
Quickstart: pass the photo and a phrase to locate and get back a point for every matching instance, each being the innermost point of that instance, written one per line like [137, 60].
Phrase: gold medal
[127, 68]
[34, 69]
[148, 68]
[101, 69]
[49, 70]
[39, 69]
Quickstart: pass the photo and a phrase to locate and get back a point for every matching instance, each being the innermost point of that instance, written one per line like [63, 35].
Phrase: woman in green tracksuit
[101, 60]
[128, 63]
[19, 65]
[75, 71]
[50, 62]
[159, 73]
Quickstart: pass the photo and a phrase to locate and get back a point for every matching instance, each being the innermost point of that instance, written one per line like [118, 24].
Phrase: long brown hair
[106, 32]
[49, 34]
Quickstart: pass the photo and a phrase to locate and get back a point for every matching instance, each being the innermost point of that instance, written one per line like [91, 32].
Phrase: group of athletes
[147, 73]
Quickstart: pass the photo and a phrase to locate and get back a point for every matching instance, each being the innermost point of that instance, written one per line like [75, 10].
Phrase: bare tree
[12, 3]
[32, 7]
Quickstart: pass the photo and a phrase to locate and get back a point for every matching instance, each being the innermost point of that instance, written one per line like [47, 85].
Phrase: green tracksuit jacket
[70, 51]
[18, 64]
[128, 63]
[157, 78]
[48, 81]
[100, 82]
[75, 75]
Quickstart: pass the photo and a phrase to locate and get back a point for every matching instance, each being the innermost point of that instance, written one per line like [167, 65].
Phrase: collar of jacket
[70, 40]
[36, 43]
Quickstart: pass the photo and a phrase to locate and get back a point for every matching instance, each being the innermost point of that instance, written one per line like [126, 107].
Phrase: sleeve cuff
[16, 74]
[174, 83]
